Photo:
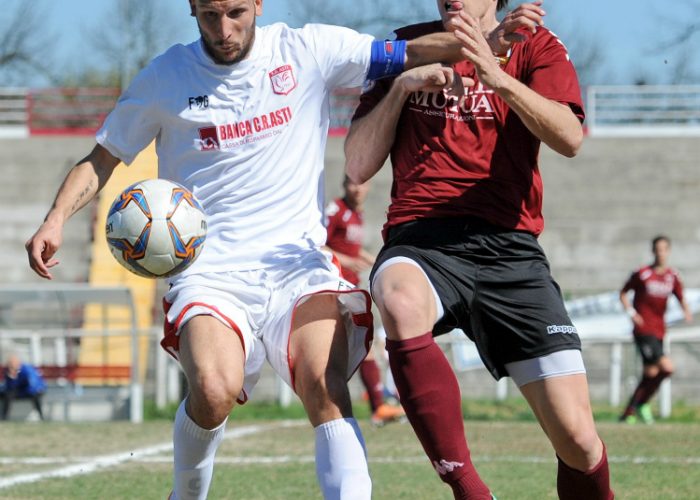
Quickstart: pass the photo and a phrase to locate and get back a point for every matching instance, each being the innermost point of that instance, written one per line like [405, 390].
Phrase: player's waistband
[454, 226]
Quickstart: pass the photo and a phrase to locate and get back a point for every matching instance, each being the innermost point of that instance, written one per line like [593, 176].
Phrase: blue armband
[388, 58]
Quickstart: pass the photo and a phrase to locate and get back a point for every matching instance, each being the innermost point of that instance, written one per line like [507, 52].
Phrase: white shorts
[259, 307]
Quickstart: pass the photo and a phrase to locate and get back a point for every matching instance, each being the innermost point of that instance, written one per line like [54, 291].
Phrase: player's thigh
[318, 340]
[319, 350]
[211, 352]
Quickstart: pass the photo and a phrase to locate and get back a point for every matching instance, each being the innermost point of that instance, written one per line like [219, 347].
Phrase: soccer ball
[156, 228]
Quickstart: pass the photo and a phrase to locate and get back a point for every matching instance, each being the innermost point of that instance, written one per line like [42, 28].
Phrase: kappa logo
[565, 329]
[444, 466]
[209, 139]
[283, 81]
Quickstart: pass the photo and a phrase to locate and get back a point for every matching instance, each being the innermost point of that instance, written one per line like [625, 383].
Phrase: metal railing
[643, 111]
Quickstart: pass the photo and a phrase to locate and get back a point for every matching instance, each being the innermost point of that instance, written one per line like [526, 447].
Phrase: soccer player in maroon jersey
[651, 285]
[461, 246]
[345, 227]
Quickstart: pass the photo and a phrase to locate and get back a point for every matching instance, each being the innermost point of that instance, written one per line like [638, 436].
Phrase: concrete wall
[601, 208]
[32, 171]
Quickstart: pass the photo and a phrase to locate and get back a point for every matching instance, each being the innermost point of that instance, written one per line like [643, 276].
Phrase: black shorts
[650, 348]
[494, 284]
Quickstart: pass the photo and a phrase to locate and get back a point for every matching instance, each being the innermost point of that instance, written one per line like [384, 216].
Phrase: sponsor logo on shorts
[443, 467]
[565, 329]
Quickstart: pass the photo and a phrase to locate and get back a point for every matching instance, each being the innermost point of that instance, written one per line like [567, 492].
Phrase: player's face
[475, 8]
[661, 252]
[227, 27]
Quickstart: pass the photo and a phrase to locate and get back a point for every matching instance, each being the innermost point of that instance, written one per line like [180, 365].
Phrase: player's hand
[526, 15]
[638, 320]
[477, 50]
[434, 78]
[41, 248]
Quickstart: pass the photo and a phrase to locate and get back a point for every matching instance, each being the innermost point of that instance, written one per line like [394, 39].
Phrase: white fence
[643, 111]
[66, 296]
[612, 111]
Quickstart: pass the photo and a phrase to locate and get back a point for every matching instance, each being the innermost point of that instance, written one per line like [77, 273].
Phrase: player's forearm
[551, 122]
[370, 138]
[80, 186]
[433, 48]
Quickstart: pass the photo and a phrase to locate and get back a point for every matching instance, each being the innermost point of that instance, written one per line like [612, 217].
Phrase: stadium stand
[600, 210]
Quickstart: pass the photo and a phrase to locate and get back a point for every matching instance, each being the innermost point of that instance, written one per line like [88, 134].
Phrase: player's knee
[398, 301]
[214, 393]
[666, 367]
[580, 447]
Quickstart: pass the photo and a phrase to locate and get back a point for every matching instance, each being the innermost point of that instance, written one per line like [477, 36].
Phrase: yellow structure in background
[115, 351]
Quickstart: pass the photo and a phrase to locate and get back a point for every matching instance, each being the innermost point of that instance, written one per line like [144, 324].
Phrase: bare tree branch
[131, 34]
[367, 16]
[24, 46]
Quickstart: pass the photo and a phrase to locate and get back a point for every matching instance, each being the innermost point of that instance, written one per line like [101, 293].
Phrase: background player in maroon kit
[345, 228]
[461, 238]
[652, 285]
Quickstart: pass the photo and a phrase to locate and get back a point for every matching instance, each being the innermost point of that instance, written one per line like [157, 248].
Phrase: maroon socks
[369, 373]
[594, 484]
[430, 394]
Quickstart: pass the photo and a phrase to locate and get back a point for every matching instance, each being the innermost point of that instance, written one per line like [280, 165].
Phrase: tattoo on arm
[81, 196]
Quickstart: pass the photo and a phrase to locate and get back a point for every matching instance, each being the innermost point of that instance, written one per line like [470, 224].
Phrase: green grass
[510, 451]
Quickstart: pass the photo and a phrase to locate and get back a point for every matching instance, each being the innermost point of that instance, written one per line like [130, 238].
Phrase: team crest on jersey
[283, 81]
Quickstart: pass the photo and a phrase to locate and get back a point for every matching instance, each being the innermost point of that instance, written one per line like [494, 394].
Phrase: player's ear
[193, 10]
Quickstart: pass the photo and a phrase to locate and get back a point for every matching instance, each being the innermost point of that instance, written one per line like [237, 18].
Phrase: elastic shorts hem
[556, 364]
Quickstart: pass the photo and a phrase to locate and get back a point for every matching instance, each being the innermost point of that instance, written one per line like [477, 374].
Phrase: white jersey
[248, 139]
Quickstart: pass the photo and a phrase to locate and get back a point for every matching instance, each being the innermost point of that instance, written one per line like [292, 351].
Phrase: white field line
[88, 465]
[281, 459]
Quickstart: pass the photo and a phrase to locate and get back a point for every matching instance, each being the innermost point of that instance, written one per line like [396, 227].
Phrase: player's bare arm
[445, 48]
[80, 186]
[369, 138]
[551, 122]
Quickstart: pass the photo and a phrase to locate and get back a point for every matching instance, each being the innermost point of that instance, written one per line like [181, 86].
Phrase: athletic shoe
[387, 413]
[629, 419]
[645, 414]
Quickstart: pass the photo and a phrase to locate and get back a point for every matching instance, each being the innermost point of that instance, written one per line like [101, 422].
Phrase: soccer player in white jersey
[240, 118]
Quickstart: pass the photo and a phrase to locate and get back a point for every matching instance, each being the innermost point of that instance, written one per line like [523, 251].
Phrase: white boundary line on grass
[281, 459]
[92, 464]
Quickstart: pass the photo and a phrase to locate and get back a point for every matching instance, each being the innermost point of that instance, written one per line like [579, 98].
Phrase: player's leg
[427, 386]
[561, 405]
[319, 353]
[656, 368]
[8, 396]
[523, 330]
[211, 355]
[371, 380]
[381, 411]
[36, 400]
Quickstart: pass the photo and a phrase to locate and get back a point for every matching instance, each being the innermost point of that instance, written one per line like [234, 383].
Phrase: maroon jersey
[651, 292]
[345, 233]
[473, 156]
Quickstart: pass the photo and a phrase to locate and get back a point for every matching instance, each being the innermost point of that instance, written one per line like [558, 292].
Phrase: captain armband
[388, 58]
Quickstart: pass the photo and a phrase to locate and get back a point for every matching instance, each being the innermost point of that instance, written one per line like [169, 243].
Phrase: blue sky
[627, 30]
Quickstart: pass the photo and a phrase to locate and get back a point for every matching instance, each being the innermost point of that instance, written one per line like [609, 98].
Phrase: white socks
[341, 461]
[194, 450]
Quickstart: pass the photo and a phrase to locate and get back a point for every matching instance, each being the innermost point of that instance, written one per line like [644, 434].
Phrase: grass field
[271, 458]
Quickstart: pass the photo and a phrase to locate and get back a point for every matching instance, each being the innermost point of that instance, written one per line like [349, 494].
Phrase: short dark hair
[501, 4]
[660, 237]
